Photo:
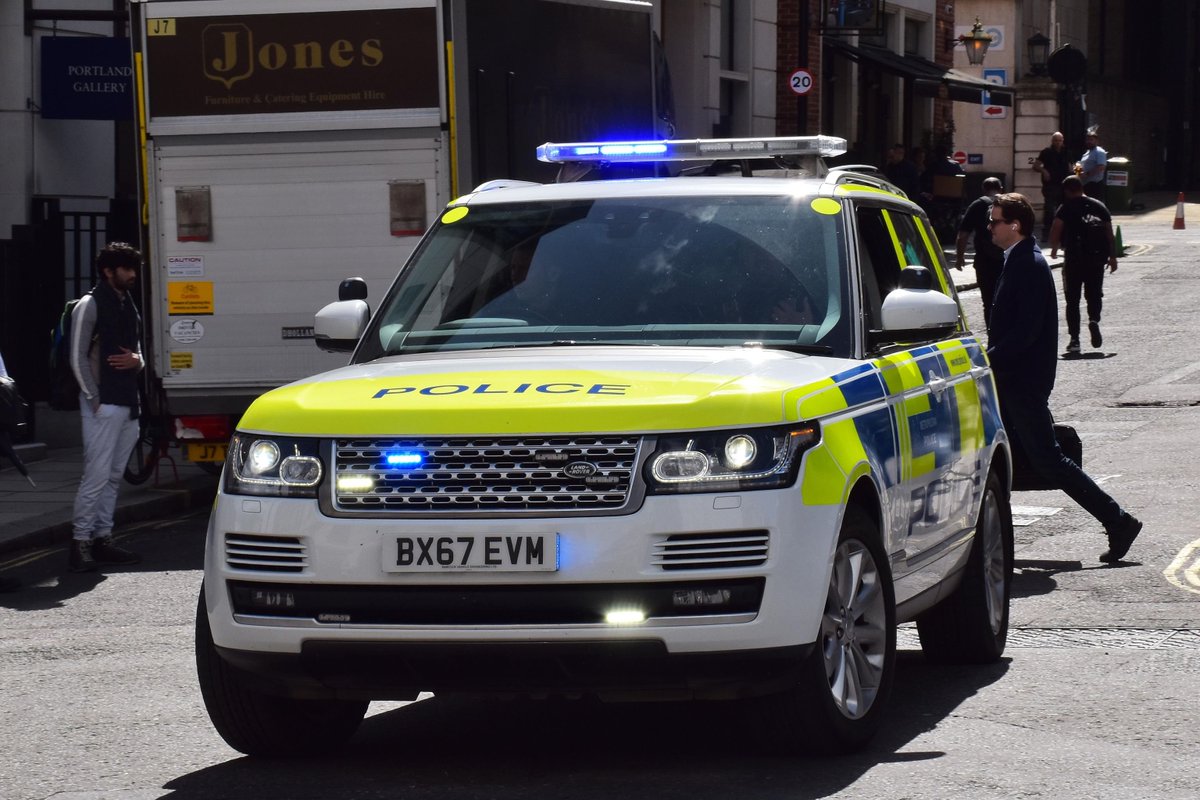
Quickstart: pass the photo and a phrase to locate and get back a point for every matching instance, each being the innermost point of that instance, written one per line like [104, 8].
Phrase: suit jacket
[1023, 330]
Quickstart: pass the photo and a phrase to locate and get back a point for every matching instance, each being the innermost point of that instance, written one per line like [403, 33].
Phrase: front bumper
[334, 621]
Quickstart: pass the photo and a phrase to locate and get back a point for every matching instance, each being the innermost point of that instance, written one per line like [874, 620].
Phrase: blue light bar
[691, 149]
[404, 459]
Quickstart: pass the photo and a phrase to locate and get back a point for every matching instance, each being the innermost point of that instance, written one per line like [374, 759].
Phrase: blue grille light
[404, 459]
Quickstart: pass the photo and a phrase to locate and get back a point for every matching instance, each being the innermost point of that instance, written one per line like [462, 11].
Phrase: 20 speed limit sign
[801, 81]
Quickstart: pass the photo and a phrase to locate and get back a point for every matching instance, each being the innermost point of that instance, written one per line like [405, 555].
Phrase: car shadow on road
[456, 747]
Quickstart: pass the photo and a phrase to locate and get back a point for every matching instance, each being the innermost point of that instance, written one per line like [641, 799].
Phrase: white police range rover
[686, 437]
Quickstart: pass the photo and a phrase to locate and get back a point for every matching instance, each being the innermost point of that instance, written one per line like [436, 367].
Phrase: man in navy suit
[1023, 350]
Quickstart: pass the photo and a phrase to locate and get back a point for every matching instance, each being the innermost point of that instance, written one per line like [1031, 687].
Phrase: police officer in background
[989, 259]
[1093, 166]
[1052, 164]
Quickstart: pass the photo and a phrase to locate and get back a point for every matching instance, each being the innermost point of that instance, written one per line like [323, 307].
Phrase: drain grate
[1105, 638]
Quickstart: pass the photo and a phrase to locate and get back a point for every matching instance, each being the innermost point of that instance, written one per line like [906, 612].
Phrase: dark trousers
[987, 272]
[1030, 427]
[1088, 278]
[1051, 200]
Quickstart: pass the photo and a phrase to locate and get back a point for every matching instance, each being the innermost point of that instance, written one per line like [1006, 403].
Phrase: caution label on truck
[190, 297]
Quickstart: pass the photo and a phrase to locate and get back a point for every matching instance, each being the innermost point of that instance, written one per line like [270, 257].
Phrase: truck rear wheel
[260, 724]
[144, 456]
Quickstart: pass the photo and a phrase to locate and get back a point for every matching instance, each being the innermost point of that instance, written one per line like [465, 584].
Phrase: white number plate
[511, 552]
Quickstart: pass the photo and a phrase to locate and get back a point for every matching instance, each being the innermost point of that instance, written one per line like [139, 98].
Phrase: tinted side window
[919, 245]
[912, 244]
[880, 266]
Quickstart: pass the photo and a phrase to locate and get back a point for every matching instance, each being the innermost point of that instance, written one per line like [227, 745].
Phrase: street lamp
[976, 43]
[1037, 50]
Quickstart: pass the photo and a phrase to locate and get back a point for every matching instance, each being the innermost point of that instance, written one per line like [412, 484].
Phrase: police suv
[705, 436]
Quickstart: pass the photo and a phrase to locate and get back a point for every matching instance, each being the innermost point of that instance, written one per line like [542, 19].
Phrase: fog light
[625, 616]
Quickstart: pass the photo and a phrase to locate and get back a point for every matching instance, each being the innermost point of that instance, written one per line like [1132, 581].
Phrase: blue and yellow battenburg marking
[876, 417]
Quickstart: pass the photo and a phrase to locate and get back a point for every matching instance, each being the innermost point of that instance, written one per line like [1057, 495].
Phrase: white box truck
[287, 143]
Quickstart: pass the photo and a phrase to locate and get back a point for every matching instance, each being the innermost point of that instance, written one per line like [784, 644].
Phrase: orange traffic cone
[1179, 213]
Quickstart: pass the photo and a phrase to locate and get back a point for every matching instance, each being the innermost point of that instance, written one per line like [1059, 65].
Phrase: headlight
[720, 461]
[279, 466]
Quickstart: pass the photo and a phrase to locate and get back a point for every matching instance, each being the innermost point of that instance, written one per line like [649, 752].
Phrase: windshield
[681, 271]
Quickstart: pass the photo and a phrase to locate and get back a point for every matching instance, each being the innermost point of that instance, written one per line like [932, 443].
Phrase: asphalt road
[1094, 699]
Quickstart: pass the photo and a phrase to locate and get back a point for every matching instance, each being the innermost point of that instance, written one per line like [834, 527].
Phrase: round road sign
[801, 81]
[960, 157]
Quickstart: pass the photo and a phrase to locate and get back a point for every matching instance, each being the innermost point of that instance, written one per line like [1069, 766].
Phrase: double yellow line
[1184, 571]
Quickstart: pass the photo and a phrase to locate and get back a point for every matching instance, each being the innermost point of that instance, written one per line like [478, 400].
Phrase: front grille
[567, 473]
[723, 550]
[244, 551]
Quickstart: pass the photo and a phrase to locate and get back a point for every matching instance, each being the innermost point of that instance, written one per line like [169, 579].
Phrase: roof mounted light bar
[691, 149]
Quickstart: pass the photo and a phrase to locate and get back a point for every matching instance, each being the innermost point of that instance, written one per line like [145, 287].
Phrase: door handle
[936, 385]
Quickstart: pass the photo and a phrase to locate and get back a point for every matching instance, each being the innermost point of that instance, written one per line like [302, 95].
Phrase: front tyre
[259, 724]
[971, 625]
[843, 685]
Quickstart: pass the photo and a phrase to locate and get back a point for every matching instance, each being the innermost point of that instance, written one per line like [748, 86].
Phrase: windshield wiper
[805, 349]
[568, 343]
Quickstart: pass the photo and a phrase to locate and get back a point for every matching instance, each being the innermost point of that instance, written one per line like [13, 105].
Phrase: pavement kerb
[54, 527]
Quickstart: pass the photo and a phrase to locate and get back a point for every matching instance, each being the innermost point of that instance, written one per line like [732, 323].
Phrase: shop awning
[928, 79]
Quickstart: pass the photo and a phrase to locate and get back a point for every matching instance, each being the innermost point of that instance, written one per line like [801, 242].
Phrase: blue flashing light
[632, 151]
[404, 459]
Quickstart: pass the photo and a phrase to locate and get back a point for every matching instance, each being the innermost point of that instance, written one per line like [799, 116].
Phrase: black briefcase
[1025, 479]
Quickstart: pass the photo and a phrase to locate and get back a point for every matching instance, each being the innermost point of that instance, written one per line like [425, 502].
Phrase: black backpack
[1092, 237]
[64, 389]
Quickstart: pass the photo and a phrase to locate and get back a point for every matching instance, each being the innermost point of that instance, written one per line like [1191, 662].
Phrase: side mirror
[340, 325]
[915, 312]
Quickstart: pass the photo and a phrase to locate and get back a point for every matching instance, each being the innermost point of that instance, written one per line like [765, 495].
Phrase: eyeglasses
[992, 221]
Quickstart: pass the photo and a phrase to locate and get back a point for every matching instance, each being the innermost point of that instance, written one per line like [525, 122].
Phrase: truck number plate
[206, 452]
[513, 552]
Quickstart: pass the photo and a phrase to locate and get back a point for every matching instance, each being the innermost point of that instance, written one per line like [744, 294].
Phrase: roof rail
[864, 174]
[502, 183]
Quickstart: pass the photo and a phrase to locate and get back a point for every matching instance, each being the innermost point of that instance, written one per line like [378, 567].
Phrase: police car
[694, 437]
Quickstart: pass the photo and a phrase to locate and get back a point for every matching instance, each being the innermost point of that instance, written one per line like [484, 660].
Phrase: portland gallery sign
[86, 78]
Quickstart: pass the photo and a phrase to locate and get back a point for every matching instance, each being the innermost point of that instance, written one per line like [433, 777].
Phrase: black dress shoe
[1120, 539]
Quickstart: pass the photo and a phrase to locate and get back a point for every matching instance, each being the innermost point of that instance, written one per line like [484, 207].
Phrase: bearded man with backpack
[106, 357]
[1083, 228]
